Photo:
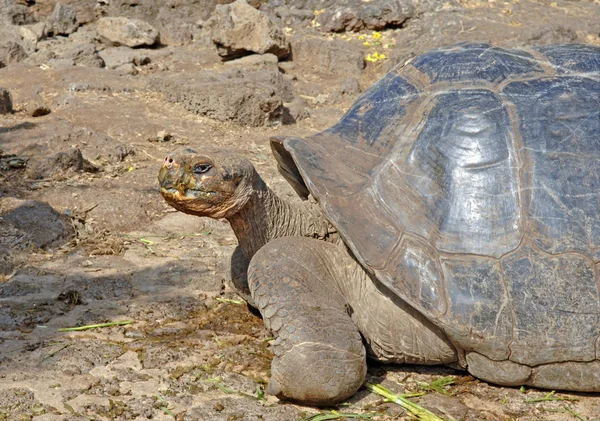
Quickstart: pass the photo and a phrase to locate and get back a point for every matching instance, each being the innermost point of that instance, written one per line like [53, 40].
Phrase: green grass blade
[417, 411]
[335, 415]
[575, 414]
[229, 300]
[437, 385]
[551, 397]
[78, 328]
[165, 408]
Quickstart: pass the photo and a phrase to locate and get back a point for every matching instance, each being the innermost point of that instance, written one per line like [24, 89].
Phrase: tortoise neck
[266, 217]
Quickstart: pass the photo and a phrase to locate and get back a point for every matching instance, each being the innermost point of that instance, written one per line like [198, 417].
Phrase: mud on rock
[87, 115]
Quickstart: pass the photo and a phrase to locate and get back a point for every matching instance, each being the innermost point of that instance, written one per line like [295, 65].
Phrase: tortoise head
[214, 184]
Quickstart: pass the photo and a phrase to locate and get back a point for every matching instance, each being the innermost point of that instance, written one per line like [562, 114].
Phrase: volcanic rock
[128, 32]
[238, 29]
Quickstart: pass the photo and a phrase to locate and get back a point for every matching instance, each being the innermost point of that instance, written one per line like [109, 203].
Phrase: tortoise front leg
[238, 275]
[319, 355]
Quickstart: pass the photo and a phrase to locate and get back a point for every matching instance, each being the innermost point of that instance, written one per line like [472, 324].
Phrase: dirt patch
[89, 127]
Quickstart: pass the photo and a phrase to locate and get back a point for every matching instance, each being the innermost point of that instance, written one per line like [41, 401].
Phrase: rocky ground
[94, 93]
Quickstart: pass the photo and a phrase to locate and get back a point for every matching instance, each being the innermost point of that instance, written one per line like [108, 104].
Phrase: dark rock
[128, 32]
[328, 56]
[37, 108]
[61, 164]
[5, 101]
[238, 29]
[40, 223]
[11, 161]
[245, 98]
[63, 21]
[356, 15]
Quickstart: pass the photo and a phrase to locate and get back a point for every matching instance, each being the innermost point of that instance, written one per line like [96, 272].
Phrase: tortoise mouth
[187, 193]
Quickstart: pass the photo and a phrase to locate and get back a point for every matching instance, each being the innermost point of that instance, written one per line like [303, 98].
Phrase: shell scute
[417, 275]
[463, 166]
[471, 62]
[555, 320]
[571, 58]
[479, 314]
[559, 123]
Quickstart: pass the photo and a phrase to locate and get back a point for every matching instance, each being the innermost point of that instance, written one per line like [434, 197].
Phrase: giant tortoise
[453, 217]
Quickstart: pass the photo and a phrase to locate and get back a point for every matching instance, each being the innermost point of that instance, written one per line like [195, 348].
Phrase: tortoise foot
[319, 356]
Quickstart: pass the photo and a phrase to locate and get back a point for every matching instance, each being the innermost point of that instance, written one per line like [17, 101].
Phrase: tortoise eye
[202, 168]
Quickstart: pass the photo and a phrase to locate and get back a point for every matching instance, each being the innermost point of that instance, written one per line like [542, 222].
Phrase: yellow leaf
[366, 43]
[318, 12]
[376, 35]
[361, 37]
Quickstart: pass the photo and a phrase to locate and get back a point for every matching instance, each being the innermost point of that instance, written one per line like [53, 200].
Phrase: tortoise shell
[467, 180]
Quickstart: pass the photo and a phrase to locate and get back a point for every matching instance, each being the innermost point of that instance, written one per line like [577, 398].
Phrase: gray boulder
[120, 56]
[37, 222]
[242, 97]
[238, 29]
[16, 14]
[84, 54]
[62, 21]
[128, 32]
[356, 15]
[11, 52]
[254, 62]
[31, 35]
[11, 49]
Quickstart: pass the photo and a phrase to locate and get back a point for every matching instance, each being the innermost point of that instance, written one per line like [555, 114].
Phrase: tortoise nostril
[170, 160]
